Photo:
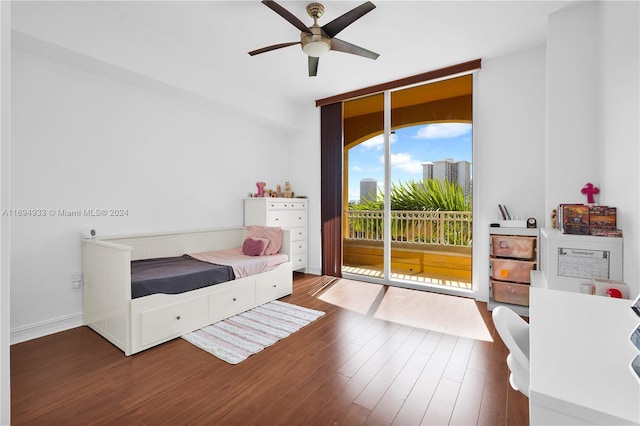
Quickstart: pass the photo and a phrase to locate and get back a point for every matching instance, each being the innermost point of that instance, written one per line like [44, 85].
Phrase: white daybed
[134, 325]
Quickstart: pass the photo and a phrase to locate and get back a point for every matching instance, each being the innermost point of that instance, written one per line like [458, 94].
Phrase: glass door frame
[387, 130]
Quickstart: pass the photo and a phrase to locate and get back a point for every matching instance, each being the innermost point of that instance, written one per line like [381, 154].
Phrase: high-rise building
[368, 189]
[445, 170]
[464, 176]
[449, 170]
[427, 170]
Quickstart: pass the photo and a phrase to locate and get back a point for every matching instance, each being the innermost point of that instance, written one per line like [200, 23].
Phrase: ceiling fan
[317, 40]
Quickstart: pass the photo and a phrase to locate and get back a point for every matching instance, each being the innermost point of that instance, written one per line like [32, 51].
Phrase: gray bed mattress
[174, 275]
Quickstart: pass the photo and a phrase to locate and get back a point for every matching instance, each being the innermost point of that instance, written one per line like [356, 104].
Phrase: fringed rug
[236, 338]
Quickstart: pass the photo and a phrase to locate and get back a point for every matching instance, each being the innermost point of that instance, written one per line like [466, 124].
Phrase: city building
[368, 189]
[449, 170]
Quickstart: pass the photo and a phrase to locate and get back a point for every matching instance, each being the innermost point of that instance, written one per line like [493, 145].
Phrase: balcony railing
[425, 227]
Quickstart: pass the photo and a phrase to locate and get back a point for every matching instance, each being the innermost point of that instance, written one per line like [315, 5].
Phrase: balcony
[427, 247]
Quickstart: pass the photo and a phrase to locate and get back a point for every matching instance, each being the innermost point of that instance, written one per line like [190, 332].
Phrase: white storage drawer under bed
[277, 286]
[239, 298]
[173, 320]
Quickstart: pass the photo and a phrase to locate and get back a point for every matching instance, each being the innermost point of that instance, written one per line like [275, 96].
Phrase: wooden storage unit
[287, 213]
[513, 255]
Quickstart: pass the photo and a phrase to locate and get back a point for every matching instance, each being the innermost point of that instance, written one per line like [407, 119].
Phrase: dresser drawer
[238, 298]
[298, 260]
[298, 234]
[171, 321]
[286, 205]
[286, 219]
[299, 247]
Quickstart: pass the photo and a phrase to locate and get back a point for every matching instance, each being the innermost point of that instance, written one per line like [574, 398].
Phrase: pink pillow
[253, 247]
[272, 233]
[265, 244]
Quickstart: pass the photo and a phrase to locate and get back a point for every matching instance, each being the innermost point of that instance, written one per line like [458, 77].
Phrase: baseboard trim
[314, 271]
[44, 328]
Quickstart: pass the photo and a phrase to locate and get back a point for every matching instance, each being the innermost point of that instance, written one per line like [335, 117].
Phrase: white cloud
[443, 130]
[405, 162]
[377, 142]
[356, 169]
[354, 194]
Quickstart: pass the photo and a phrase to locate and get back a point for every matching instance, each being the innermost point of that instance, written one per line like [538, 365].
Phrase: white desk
[580, 358]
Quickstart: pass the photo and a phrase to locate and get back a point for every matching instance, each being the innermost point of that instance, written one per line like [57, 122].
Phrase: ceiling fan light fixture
[316, 48]
[315, 42]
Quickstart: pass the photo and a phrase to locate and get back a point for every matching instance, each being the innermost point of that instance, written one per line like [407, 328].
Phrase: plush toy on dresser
[260, 186]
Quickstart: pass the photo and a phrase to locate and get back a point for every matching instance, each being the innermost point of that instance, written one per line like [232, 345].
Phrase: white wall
[85, 141]
[5, 200]
[619, 133]
[550, 119]
[572, 108]
[508, 164]
[99, 37]
[305, 165]
[593, 109]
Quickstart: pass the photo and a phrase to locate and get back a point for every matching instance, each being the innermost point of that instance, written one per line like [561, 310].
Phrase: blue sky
[410, 147]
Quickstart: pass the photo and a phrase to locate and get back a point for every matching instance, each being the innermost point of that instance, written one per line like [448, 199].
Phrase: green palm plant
[430, 195]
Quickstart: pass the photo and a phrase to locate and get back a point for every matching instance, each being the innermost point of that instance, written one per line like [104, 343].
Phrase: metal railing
[426, 227]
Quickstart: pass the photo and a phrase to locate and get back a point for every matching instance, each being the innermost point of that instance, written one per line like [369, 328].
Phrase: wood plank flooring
[346, 368]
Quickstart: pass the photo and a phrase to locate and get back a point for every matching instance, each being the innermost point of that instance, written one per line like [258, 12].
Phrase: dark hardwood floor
[345, 368]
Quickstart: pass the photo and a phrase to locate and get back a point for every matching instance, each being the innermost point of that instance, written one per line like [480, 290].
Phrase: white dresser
[287, 213]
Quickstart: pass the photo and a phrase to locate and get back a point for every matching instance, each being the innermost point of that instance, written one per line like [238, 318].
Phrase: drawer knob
[274, 286]
[178, 317]
[234, 299]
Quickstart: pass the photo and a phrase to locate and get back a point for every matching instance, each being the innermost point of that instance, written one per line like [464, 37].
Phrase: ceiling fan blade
[346, 47]
[313, 66]
[273, 47]
[341, 22]
[286, 15]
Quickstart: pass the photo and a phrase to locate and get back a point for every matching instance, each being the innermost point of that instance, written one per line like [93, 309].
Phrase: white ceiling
[208, 41]
[411, 37]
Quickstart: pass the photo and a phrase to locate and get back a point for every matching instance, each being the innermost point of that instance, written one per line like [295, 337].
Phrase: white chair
[514, 332]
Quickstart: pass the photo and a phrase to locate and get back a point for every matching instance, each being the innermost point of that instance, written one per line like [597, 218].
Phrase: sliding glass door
[407, 176]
